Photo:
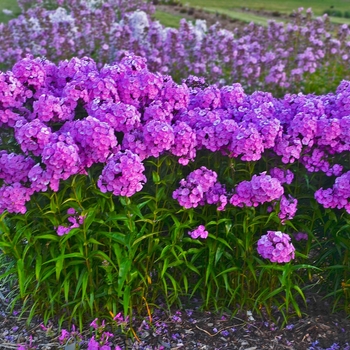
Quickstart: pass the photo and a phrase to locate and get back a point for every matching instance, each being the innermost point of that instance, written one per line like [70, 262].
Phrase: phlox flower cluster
[288, 208]
[14, 167]
[200, 231]
[276, 247]
[192, 189]
[338, 196]
[95, 139]
[260, 189]
[67, 337]
[122, 175]
[283, 175]
[216, 194]
[12, 91]
[153, 116]
[61, 158]
[51, 108]
[100, 341]
[75, 220]
[120, 116]
[32, 136]
[158, 137]
[185, 143]
[255, 55]
[13, 198]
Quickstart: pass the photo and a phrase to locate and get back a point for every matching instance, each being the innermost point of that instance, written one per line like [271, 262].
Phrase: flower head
[276, 247]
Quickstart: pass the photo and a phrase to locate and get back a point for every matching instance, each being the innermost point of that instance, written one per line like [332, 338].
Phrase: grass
[9, 5]
[167, 19]
[286, 6]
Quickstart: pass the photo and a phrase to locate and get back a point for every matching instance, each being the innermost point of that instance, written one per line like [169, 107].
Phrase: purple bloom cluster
[122, 175]
[288, 208]
[338, 196]
[120, 116]
[14, 167]
[32, 136]
[95, 139]
[74, 218]
[283, 175]
[185, 144]
[261, 189]
[13, 198]
[276, 247]
[193, 188]
[76, 111]
[61, 158]
[200, 231]
[158, 137]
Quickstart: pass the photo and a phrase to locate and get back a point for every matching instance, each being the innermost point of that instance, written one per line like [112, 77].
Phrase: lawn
[233, 9]
[8, 5]
[286, 6]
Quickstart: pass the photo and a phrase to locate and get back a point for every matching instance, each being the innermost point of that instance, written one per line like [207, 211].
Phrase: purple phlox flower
[192, 189]
[337, 196]
[217, 194]
[120, 116]
[93, 344]
[261, 189]
[62, 159]
[225, 333]
[14, 197]
[32, 136]
[65, 335]
[246, 141]
[14, 167]
[94, 324]
[288, 208]
[122, 175]
[283, 175]
[74, 218]
[200, 231]
[158, 137]
[276, 247]
[96, 140]
[120, 320]
[185, 145]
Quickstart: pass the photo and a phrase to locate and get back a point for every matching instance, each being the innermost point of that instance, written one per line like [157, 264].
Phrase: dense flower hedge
[119, 185]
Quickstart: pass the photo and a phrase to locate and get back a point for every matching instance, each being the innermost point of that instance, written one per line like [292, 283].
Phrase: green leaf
[155, 177]
[124, 270]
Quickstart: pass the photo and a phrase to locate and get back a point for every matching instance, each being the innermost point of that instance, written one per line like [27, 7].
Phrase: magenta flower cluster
[338, 196]
[261, 189]
[192, 189]
[199, 232]
[74, 219]
[122, 175]
[276, 247]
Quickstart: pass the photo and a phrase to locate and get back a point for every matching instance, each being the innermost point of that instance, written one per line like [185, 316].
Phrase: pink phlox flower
[200, 231]
[276, 247]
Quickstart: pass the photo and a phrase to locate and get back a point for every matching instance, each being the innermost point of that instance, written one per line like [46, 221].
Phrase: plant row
[121, 187]
[281, 57]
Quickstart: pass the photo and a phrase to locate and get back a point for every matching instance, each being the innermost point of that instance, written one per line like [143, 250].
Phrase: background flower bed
[121, 186]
